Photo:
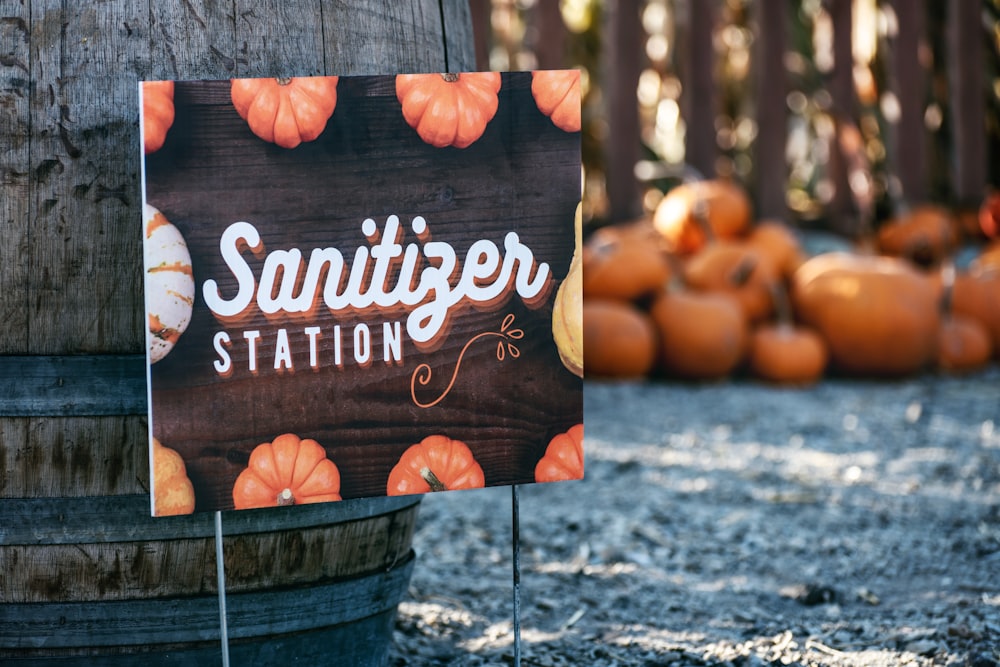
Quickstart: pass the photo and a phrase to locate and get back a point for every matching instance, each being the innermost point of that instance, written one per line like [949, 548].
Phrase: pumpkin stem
[920, 250]
[285, 498]
[432, 480]
[947, 286]
[675, 280]
[450, 77]
[700, 211]
[283, 80]
[782, 304]
[741, 272]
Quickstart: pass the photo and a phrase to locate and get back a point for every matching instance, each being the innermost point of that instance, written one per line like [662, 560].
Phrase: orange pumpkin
[703, 335]
[964, 344]
[692, 213]
[286, 111]
[878, 315]
[287, 471]
[964, 341]
[977, 295]
[173, 492]
[436, 463]
[157, 113]
[563, 458]
[787, 354]
[925, 235]
[737, 269]
[783, 351]
[557, 95]
[449, 109]
[778, 244]
[620, 265]
[619, 339]
[989, 215]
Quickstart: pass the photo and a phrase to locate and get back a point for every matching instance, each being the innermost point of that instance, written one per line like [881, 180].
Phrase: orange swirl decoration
[422, 374]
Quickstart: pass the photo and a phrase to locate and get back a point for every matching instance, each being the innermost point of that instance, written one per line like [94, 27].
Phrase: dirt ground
[851, 523]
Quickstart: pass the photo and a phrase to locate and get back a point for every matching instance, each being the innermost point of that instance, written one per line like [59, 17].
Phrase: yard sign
[351, 289]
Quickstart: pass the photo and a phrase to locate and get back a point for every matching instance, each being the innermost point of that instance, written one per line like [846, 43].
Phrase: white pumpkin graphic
[169, 283]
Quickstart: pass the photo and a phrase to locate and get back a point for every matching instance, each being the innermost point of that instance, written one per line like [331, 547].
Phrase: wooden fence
[919, 103]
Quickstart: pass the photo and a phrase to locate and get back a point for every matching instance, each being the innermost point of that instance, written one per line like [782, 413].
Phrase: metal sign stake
[516, 530]
[220, 573]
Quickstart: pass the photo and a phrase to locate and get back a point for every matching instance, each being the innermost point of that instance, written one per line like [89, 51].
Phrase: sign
[352, 282]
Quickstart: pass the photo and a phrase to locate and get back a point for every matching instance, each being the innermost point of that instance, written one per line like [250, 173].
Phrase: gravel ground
[851, 523]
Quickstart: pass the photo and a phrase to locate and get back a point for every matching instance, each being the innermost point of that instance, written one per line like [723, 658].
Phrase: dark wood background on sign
[522, 175]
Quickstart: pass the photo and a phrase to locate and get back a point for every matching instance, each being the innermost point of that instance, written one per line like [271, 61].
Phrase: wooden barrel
[87, 575]
[90, 578]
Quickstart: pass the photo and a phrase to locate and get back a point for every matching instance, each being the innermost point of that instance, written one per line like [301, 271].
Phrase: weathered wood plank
[621, 76]
[74, 457]
[279, 38]
[34, 521]
[907, 140]
[360, 643]
[481, 11]
[456, 17]
[14, 174]
[700, 100]
[357, 598]
[80, 456]
[253, 560]
[551, 36]
[84, 279]
[966, 96]
[398, 37]
[842, 211]
[195, 39]
[181, 620]
[770, 171]
[63, 386]
[13, 433]
[840, 81]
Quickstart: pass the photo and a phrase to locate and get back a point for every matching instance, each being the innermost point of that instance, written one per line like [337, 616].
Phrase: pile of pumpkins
[699, 290]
